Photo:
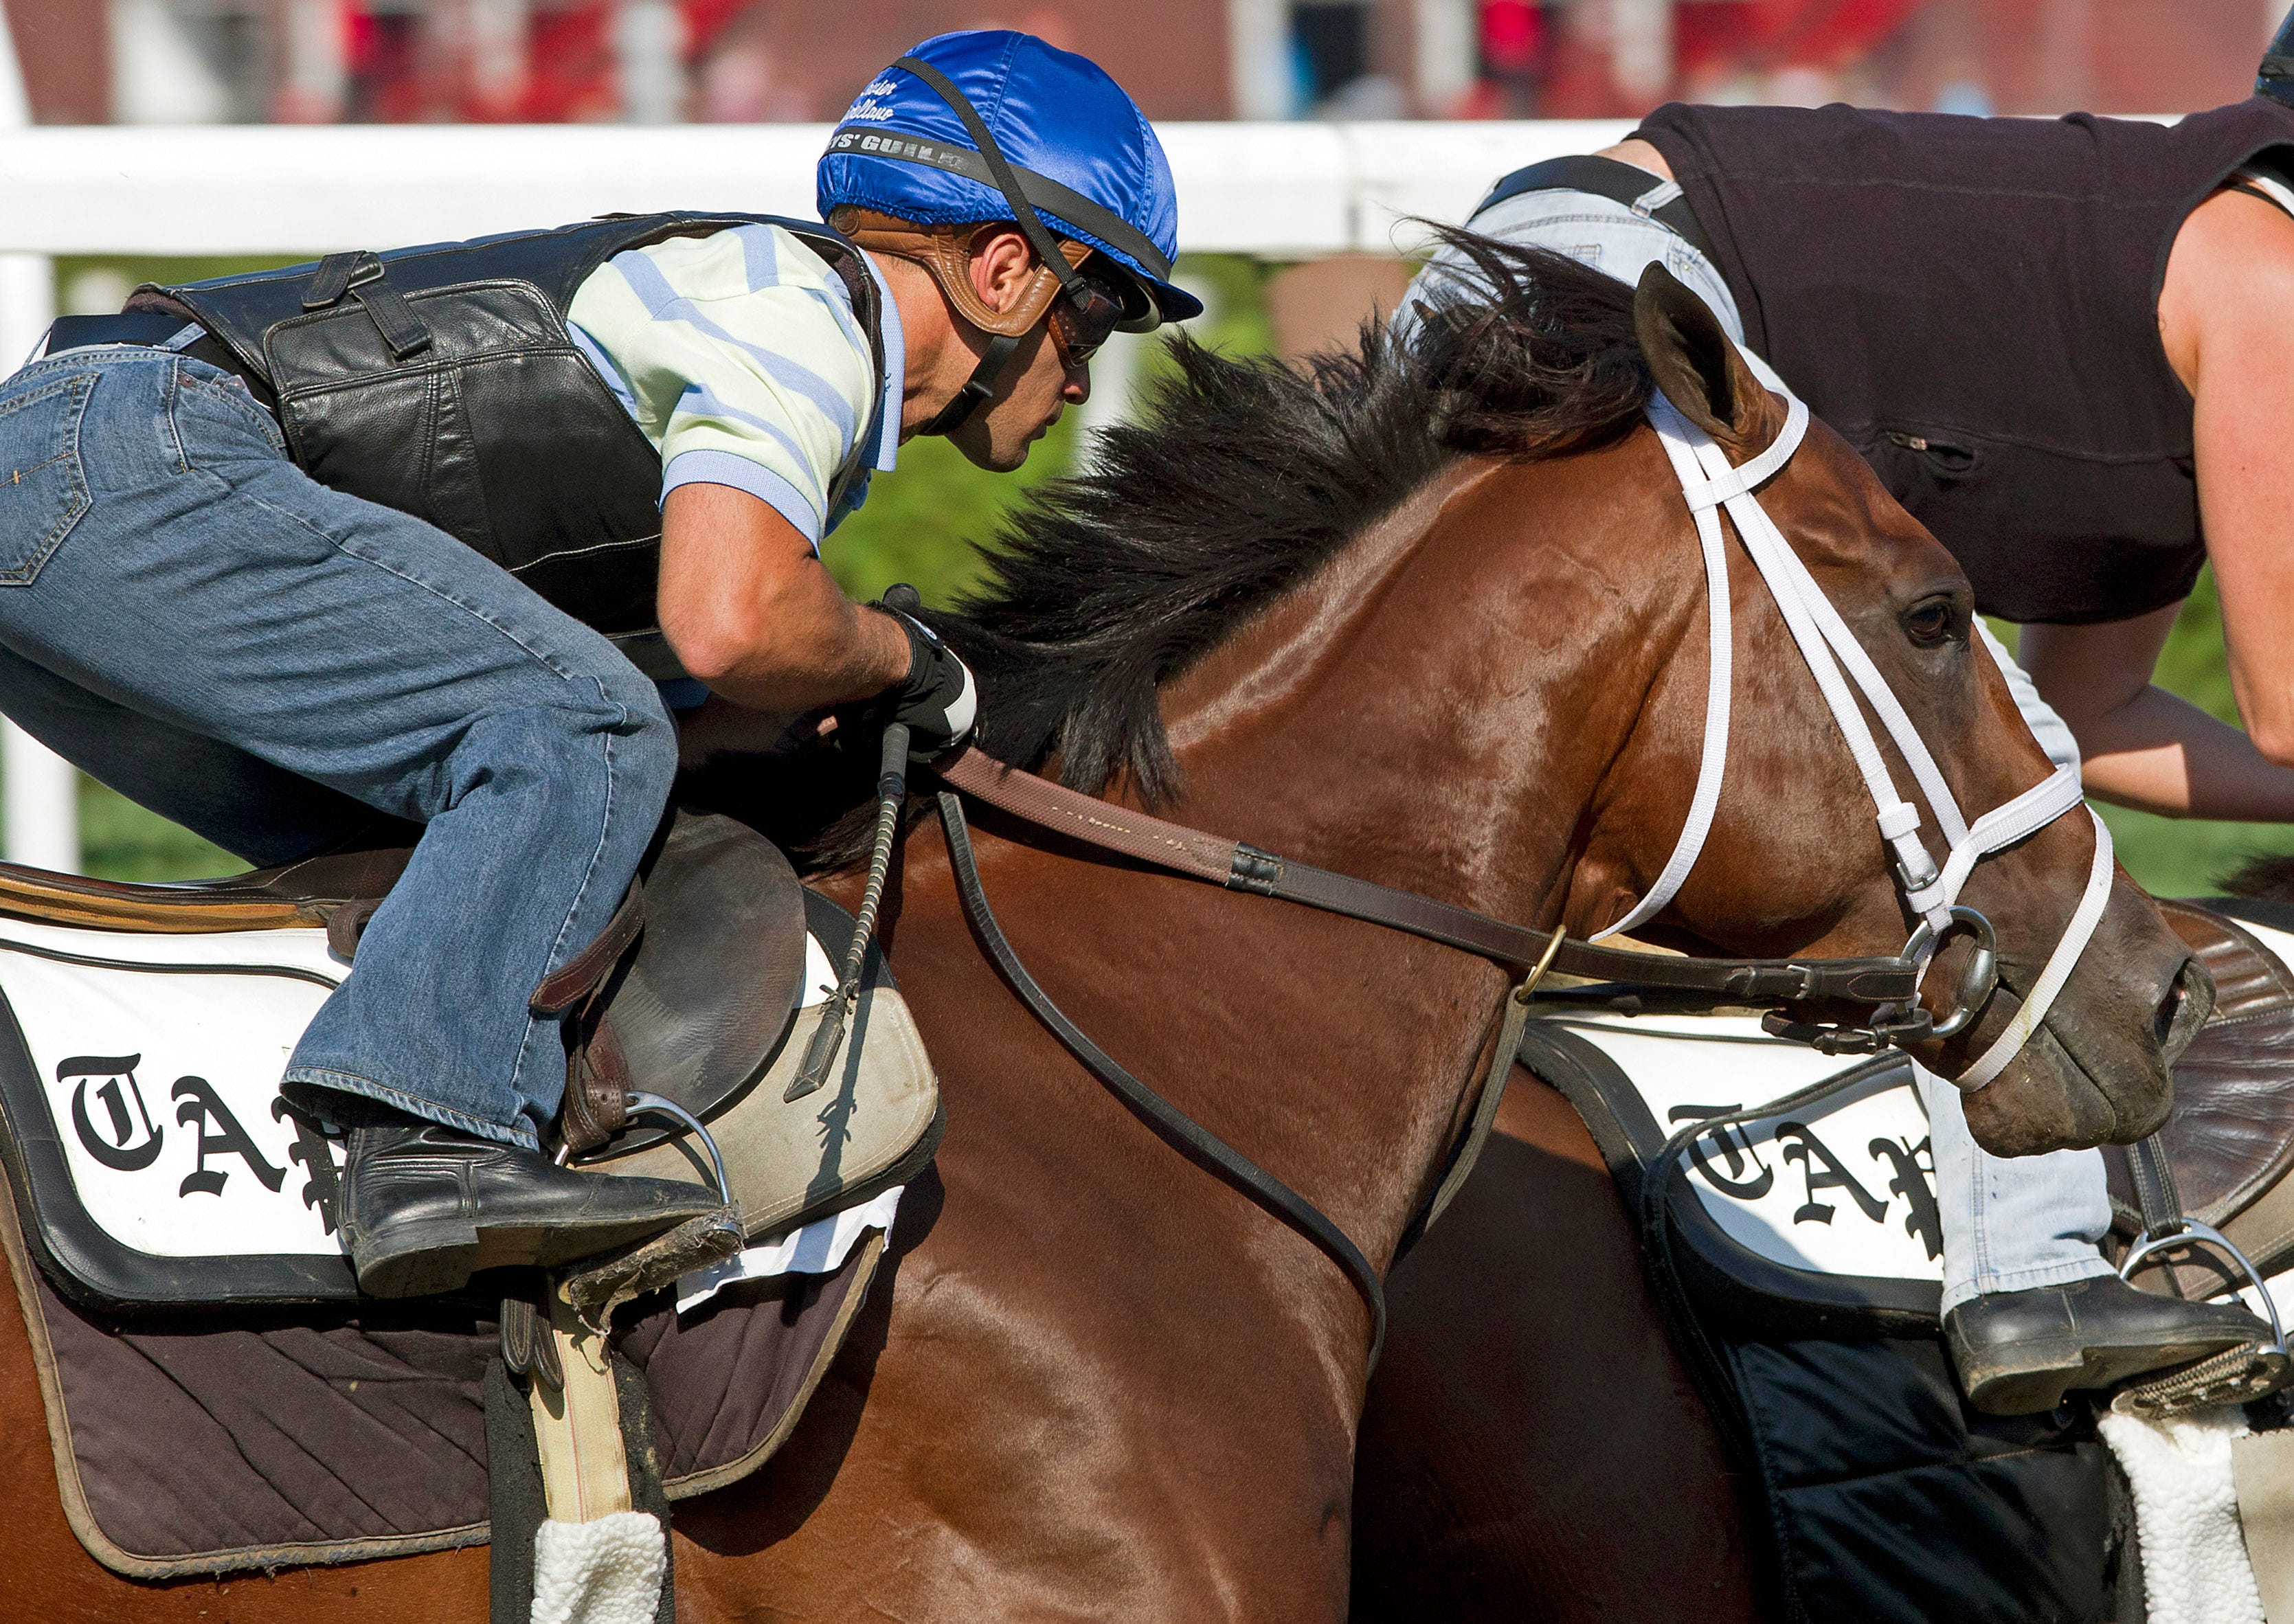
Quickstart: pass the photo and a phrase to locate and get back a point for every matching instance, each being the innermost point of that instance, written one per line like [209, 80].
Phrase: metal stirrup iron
[2235, 1374]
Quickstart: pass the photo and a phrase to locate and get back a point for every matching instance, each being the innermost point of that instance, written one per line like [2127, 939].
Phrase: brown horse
[1431, 617]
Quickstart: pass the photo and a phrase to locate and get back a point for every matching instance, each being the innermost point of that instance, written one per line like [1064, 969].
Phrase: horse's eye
[1930, 624]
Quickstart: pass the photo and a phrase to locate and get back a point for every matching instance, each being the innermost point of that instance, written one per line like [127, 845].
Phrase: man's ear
[1001, 263]
[1689, 356]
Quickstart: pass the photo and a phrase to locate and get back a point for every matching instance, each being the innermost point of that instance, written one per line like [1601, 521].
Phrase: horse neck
[1433, 711]
[1442, 707]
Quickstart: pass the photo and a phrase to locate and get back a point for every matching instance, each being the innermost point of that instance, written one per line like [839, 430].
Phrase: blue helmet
[1013, 129]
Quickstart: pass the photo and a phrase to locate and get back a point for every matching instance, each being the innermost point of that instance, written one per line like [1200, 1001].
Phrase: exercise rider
[283, 553]
[2062, 345]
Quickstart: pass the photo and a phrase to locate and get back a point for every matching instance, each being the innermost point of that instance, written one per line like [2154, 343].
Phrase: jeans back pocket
[43, 488]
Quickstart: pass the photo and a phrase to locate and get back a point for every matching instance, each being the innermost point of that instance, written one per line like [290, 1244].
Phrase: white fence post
[42, 802]
[40, 791]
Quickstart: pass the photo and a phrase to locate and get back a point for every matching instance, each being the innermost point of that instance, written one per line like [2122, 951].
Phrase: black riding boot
[2019, 1351]
[424, 1208]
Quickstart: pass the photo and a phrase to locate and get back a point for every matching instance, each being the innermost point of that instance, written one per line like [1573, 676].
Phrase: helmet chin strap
[978, 389]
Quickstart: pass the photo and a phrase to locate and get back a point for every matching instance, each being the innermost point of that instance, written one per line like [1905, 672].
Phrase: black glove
[938, 699]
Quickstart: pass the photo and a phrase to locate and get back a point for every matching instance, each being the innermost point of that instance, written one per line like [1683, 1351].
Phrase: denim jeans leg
[252, 809]
[206, 584]
[2010, 1223]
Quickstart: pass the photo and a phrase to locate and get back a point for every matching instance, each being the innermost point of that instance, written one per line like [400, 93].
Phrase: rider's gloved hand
[938, 699]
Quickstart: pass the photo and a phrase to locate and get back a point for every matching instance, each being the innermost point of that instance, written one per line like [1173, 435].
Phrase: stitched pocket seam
[76, 501]
[238, 398]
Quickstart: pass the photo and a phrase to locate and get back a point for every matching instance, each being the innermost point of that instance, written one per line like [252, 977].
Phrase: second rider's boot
[423, 1207]
[2019, 1351]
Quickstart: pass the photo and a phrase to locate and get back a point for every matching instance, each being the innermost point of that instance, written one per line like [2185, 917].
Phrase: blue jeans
[193, 620]
[2008, 1225]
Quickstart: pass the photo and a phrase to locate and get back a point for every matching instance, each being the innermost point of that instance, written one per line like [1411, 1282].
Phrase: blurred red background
[661, 61]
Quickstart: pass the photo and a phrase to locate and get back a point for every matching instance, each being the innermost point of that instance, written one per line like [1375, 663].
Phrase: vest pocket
[43, 488]
[1942, 455]
[1927, 470]
[402, 442]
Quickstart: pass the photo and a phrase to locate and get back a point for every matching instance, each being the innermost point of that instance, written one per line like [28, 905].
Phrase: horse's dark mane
[1244, 475]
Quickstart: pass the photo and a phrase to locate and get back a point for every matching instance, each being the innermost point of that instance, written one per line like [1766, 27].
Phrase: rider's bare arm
[2222, 320]
[752, 612]
[2140, 746]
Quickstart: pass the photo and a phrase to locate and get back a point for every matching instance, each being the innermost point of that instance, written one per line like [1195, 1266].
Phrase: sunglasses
[1080, 329]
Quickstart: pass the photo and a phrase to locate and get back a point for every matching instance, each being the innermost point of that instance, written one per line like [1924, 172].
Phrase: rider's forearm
[752, 612]
[809, 646]
[2162, 754]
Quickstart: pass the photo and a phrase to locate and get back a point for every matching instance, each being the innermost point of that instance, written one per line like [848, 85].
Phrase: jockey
[2060, 346]
[299, 554]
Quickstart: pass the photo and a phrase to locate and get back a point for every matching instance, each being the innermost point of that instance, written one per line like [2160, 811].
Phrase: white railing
[39, 792]
[1282, 190]
[1275, 191]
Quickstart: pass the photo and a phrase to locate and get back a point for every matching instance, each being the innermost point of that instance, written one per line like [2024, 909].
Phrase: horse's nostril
[2188, 1002]
[2163, 1025]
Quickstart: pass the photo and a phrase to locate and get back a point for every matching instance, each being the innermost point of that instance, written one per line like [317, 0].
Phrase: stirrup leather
[598, 1084]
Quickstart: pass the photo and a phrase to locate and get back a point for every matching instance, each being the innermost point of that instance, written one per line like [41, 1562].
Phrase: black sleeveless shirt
[1973, 303]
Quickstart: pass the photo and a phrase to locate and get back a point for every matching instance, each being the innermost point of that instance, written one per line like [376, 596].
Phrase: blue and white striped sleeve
[739, 356]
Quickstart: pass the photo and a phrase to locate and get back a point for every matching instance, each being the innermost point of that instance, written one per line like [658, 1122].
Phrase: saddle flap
[2229, 1134]
[1823, 1218]
[708, 999]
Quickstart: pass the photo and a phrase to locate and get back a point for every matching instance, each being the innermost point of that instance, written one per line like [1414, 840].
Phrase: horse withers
[1432, 616]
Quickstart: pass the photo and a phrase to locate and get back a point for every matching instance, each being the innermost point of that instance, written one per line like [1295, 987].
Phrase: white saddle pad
[143, 1105]
[161, 1057]
[1846, 1187]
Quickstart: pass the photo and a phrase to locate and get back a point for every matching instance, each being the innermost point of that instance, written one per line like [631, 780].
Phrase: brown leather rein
[1875, 983]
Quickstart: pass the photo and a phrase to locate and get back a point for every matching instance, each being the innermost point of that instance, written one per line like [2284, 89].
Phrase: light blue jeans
[2008, 1224]
[187, 616]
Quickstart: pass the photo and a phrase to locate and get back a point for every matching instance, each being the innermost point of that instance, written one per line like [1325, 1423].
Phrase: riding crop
[828, 1036]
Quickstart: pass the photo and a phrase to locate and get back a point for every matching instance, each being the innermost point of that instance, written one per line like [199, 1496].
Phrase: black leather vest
[1975, 304]
[441, 381]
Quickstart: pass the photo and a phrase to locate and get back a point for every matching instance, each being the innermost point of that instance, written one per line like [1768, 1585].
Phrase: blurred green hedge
[924, 519]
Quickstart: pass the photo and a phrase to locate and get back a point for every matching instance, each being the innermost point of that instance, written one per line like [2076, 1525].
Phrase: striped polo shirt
[739, 355]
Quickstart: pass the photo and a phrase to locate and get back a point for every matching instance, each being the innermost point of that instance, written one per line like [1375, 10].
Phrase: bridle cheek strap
[1710, 484]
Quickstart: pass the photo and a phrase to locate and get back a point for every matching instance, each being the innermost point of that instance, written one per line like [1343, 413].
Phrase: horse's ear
[1691, 359]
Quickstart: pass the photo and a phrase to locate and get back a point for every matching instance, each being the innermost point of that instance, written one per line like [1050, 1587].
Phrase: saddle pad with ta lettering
[318, 1434]
[1795, 1239]
[155, 1165]
[1831, 1209]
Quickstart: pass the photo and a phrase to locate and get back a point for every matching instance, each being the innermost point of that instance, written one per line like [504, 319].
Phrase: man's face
[1036, 388]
